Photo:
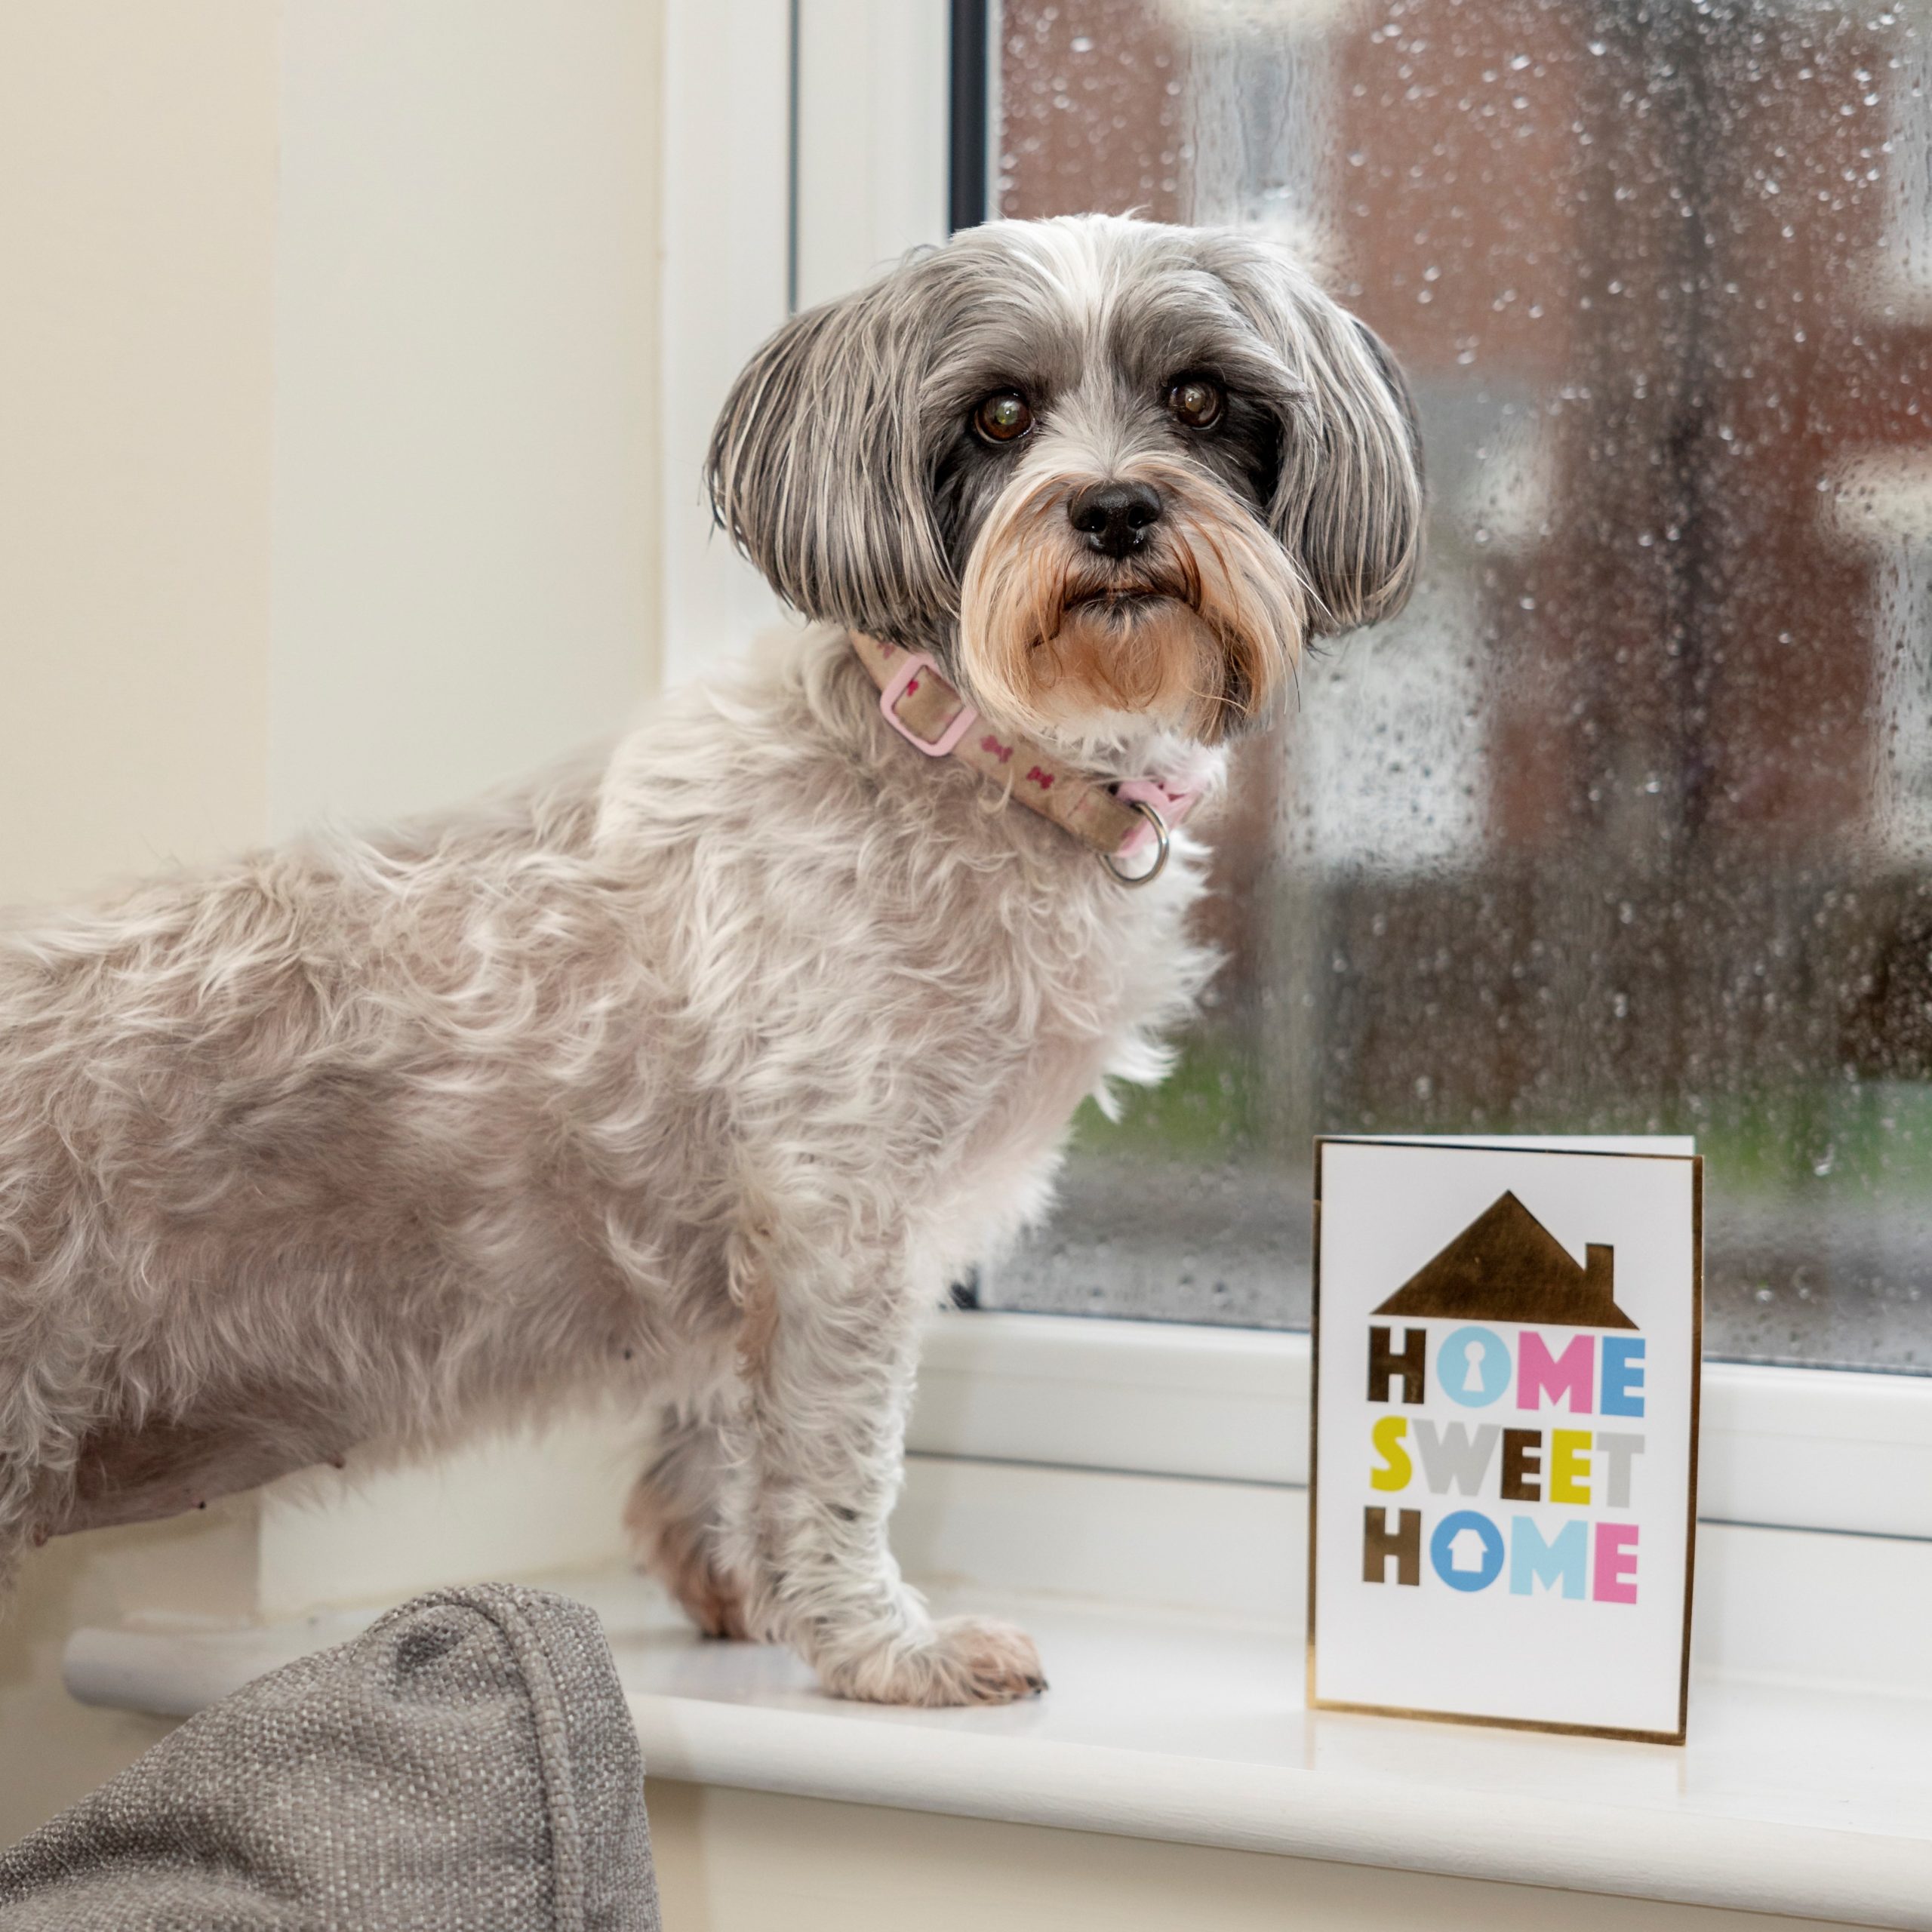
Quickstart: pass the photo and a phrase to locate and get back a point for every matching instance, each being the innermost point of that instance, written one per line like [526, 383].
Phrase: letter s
[1387, 1436]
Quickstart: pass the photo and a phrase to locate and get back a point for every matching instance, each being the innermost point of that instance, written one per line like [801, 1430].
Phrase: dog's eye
[1004, 417]
[1196, 401]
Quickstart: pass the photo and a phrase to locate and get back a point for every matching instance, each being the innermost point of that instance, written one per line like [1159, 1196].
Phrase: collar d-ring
[1153, 871]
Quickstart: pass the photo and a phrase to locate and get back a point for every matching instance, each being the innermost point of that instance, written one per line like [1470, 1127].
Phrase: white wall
[349, 375]
[465, 518]
[137, 154]
[329, 391]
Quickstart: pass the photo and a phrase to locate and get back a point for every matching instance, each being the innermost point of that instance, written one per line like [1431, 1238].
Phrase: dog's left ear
[1349, 501]
[815, 469]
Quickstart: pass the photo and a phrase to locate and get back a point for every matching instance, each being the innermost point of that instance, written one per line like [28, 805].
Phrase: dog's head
[1112, 474]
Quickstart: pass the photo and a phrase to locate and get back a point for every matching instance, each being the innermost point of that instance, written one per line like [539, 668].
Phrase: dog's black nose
[1115, 517]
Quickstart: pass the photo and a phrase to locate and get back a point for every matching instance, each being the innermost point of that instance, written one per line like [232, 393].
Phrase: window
[1626, 824]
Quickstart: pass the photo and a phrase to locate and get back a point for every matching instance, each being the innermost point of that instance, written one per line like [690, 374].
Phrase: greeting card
[1503, 1505]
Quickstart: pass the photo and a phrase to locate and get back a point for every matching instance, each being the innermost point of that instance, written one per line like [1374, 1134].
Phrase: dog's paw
[714, 1603]
[963, 1660]
[681, 1560]
[702, 1592]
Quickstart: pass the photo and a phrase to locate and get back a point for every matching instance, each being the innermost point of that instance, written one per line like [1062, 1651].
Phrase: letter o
[1442, 1547]
[1478, 1355]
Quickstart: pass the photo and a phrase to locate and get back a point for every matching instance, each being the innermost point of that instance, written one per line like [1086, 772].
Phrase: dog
[690, 1075]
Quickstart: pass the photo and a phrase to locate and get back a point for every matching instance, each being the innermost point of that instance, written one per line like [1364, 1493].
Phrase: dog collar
[1119, 822]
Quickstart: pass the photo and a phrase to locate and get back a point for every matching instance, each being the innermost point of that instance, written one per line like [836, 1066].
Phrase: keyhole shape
[1473, 1354]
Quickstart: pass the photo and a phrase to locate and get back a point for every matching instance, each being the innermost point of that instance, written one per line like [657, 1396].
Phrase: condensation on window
[1626, 824]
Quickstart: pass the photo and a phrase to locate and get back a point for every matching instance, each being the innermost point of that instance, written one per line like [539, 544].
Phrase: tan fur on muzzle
[1195, 633]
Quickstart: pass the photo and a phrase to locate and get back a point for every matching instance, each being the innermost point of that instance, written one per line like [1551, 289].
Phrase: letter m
[1532, 1560]
[1572, 1375]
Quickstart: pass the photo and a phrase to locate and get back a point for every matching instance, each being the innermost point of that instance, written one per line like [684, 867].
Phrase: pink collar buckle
[904, 682]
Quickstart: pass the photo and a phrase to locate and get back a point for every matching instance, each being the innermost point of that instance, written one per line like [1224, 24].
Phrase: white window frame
[726, 240]
[1810, 1449]
[1815, 1450]
[805, 148]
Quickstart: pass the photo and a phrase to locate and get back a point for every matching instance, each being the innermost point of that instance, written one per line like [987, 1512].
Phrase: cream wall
[137, 165]
[328, 471]
[465, 515]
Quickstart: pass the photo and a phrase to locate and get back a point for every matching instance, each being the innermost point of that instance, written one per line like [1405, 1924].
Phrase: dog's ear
[1365, 520]
[1349, 500]
[815, 469]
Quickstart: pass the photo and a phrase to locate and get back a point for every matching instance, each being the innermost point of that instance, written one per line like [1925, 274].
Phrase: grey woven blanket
[467, 1764]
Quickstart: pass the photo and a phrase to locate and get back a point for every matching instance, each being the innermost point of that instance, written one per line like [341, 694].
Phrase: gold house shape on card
[1506, 1265]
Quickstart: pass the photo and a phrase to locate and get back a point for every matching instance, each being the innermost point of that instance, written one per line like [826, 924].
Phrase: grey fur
[690, 1077]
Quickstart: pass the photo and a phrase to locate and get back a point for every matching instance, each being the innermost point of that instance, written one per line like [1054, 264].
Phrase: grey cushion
[467, 1762]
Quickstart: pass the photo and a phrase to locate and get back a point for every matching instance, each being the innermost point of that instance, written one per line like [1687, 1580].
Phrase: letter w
[1454, 1458]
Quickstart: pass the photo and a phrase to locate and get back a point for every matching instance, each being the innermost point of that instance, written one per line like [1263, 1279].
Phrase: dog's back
[234, 1105]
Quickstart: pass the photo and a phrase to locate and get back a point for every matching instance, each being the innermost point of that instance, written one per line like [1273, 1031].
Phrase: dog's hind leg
[679, 1517]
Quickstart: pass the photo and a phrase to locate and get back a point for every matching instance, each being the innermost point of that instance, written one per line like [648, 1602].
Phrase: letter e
[1622, 1376]
[1569, 1466]
[1522, 1465]
[1616, 1563]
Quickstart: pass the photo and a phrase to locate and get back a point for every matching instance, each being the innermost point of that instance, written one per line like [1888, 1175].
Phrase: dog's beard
[1194, 633]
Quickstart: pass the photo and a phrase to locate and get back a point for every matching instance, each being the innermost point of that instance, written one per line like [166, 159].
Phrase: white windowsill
[1132, 1494]
[1189, 1728]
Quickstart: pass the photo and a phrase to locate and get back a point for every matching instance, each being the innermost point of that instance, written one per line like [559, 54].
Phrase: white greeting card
[1503, 1492]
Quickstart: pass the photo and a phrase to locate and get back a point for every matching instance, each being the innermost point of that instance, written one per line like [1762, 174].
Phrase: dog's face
[1110, 474]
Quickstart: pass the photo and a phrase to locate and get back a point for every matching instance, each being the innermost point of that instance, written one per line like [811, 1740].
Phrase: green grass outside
[1829, 1141]
[1207, 1110]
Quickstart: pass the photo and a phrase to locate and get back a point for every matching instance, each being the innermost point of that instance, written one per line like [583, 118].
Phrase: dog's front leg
[830, 1369]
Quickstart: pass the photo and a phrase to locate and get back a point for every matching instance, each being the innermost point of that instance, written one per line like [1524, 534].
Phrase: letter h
[1379, 1544]
[1384, 1363]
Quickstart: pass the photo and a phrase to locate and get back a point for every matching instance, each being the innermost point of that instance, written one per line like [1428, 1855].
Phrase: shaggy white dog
[695, 1074]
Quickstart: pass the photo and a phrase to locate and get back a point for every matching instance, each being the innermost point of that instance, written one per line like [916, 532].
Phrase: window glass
[1626, 824]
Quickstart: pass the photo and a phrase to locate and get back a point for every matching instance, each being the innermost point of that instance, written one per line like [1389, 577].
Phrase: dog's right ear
[815, 471]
